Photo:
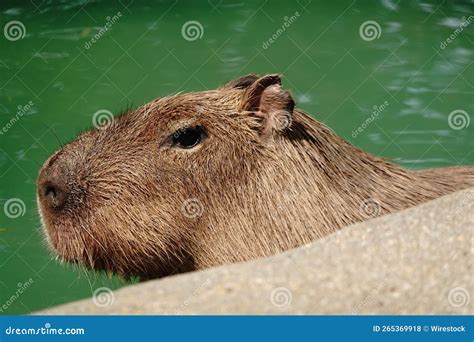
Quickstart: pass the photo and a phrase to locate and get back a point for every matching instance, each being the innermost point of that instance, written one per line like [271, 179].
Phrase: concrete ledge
[418, 261]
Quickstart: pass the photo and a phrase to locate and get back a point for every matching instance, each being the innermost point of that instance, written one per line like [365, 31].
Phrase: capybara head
[141, 194]
[207, 178]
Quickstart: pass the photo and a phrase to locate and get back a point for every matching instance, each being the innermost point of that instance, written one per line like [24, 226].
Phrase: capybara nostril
[53, 195]
[52, 185]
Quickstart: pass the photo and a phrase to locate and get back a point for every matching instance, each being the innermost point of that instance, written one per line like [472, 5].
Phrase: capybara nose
[53, 194]
[53, 190]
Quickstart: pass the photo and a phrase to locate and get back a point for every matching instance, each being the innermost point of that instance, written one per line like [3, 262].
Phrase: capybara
[195, 180]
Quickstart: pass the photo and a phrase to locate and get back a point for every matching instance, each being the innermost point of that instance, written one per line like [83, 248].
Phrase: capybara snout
[201, 179]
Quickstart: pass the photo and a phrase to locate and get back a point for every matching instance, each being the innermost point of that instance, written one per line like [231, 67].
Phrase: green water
[414, 81]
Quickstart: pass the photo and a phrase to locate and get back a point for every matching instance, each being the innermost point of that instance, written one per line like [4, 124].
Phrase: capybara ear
[269, 101]
[242, 82]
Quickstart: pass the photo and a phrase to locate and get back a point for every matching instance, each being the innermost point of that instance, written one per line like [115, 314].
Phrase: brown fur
[266, 178]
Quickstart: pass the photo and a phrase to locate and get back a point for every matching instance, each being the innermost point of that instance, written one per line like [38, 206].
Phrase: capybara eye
[188, 137]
